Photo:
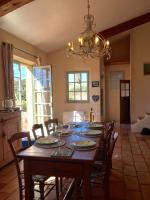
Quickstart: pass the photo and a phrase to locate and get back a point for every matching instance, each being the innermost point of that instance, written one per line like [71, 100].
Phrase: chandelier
[89, 43]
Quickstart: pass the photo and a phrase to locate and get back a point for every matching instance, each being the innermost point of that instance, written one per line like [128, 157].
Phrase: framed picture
[95, 83]
[146, 68]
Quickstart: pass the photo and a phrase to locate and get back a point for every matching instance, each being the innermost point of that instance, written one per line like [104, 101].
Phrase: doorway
[33, 93]
[125, 101]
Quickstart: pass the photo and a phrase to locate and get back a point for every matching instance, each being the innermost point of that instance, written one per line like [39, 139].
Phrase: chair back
[113, 140]
[12, 141]
[38, 131]
[50, 125]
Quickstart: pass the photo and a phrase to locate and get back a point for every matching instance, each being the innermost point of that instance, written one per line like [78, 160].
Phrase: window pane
[77, 95]
[77, 77]
[46, 97]
[84, 96]
[71, 77]
[38, 85]
[84, 86]
[77, 86]
[71, 86]
[83, 77]
[38, 97]
[23, 72]
[71, 95]
[46, 110]
[16, 70]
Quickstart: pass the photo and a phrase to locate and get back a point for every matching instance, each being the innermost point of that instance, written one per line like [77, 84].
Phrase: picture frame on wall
[95, 83]
[146, 68]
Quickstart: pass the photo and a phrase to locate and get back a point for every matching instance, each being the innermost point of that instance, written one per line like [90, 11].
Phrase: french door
[42, 94]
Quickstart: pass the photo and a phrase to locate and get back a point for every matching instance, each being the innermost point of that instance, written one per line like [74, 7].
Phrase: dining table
[41, 161]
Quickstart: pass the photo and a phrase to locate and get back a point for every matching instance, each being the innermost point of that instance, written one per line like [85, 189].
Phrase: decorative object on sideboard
[90, 44]
[95, 98]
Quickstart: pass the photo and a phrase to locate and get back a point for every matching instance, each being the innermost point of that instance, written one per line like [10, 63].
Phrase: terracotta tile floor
[130, 179]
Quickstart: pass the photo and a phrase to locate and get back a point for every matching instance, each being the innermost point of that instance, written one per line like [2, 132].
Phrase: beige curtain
[7, 62]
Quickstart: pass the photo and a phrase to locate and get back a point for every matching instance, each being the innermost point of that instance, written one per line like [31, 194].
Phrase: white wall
[60, 65]
[140, 83]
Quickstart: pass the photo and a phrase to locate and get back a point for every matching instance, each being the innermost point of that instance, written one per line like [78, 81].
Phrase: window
[20, 76]
[77, 86]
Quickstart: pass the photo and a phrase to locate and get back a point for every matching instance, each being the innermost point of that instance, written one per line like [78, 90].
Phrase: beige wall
[60, 65]
[140, 54]
[113, 95]
[7, 37]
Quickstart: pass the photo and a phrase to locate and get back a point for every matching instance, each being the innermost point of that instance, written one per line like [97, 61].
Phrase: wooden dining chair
[101, 172]
[38, 131]
[36, 179]
[50, 125]
[104, 142]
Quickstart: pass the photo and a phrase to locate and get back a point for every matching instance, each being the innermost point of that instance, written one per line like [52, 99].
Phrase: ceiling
[50, 24]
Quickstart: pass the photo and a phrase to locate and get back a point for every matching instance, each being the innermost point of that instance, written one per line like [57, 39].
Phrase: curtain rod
[26, 52]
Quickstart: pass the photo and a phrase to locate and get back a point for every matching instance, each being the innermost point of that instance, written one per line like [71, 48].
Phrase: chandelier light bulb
[107, 43]
[96, 40]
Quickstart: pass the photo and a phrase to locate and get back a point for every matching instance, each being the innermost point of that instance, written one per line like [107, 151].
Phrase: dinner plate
[92, 133]
[65, 132]
[83, 144]
[94, 125]
[47, 140]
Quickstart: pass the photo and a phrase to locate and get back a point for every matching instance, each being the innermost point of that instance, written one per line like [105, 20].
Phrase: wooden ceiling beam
[7, 6]
[126, 25]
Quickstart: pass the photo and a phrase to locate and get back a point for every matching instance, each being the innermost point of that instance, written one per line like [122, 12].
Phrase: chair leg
[57, 188]
[77, 187]
[41, 186]
[61, 184]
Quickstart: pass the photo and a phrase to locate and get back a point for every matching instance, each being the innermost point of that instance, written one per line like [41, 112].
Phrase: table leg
[86, 184]
[29, 193]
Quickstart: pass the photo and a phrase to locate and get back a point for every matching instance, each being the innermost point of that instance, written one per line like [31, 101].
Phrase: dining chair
[101, 172]
[38, 131]
[39, 180]
[104, 142]
[50, 125]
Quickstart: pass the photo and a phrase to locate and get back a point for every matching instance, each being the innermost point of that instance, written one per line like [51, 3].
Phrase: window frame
[67, 87]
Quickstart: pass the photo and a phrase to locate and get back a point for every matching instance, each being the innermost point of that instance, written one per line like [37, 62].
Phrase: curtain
[7, 63]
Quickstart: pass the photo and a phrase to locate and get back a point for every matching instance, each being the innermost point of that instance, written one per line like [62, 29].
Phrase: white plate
[96, 125]
[64, 132]
[84, 144]
[47, 140]
[92, 133]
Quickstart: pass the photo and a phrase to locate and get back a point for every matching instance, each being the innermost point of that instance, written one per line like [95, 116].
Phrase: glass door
[42, 94]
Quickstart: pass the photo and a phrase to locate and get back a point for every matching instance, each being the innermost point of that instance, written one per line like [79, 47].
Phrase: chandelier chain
[88, 1]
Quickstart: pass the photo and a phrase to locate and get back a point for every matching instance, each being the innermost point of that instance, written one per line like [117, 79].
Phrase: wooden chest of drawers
[10, 123]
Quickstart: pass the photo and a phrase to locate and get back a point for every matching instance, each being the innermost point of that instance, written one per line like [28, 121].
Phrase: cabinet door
[10, 127]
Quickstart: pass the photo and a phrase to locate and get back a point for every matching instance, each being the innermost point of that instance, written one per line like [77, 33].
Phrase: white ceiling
[50, 24]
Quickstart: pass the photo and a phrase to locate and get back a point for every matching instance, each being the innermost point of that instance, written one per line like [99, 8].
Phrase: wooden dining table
[39, 161]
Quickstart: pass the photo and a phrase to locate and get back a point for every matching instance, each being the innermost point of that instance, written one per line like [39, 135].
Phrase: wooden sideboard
[10, 123]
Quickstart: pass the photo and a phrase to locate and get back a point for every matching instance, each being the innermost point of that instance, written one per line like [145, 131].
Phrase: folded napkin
[62, 152]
